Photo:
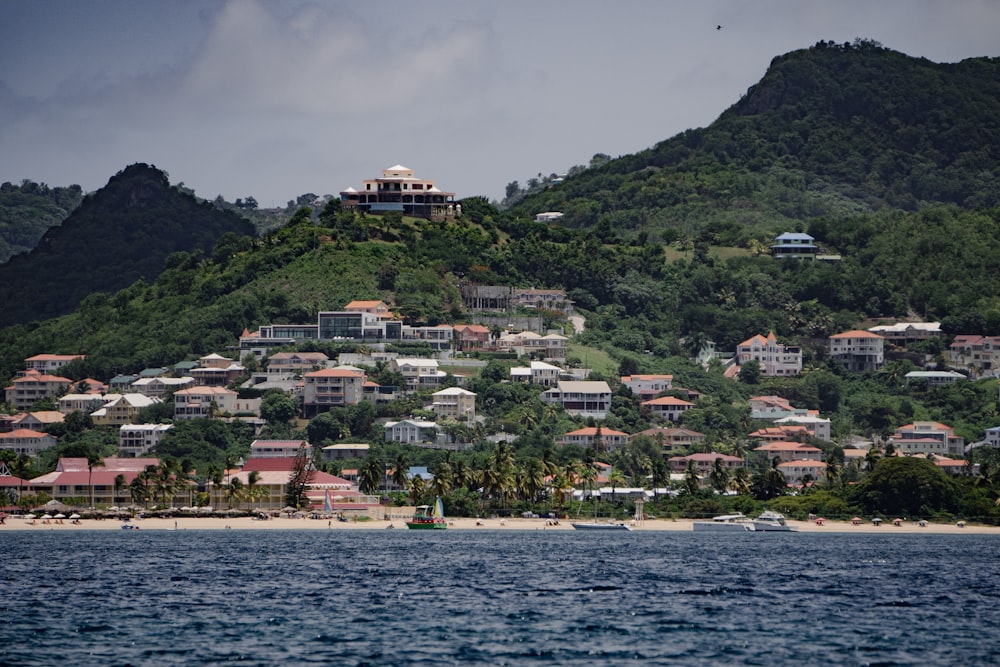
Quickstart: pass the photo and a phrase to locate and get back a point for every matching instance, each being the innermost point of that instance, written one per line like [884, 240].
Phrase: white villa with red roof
[927, 438]
[398, 190]
[775, 359]
[648, 386]
[26, 441]
[50, 363]
[788, 451]
[26, 390]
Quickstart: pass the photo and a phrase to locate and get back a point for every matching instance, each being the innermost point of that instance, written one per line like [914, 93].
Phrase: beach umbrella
[74, 516]
[46, 516]
[29, 516]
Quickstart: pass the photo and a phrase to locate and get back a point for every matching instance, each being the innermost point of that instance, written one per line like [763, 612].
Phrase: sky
[277, 99]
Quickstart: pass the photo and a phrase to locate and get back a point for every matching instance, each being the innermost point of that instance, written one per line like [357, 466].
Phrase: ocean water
[497, 598]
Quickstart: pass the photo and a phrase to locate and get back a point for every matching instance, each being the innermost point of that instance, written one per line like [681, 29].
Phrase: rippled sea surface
[497, 598]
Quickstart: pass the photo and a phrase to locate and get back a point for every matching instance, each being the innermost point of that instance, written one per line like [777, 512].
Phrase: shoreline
[650, 525]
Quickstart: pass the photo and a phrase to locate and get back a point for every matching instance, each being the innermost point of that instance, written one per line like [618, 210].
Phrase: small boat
[773, 522]
[597, 525]
[428, 517]
[725, 523]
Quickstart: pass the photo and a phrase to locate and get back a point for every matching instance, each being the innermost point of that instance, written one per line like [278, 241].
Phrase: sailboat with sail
[428, 517]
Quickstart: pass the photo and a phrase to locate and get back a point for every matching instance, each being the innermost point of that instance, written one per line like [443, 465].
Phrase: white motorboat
[596, 525]
[725, 523]
[773, 521]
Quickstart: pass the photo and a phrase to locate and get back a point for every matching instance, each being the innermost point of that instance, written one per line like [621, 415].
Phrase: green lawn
[597, 360]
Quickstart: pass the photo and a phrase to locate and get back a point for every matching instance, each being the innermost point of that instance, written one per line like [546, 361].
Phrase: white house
[775, 359]
[581, 398]
[667, 407]
[455, 402]
[135, 440]
[414, 431]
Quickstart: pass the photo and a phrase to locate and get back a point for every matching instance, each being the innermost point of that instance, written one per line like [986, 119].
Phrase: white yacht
[773, 521]
[725, 523]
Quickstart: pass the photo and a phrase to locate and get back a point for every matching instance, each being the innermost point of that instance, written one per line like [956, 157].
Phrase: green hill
[830, 131]
[28, 210]
[117, 235]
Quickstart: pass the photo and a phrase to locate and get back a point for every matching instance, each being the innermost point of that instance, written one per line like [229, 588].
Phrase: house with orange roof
[648, 386]
[672, 439]
[958, 467]
[981, 353]
[591, 437]
[39, 420]
[375, 307]
[858, 351]
[772, 408]
[667, 407]
[26, 441]
[50, 363]
[788, 432]
[788, 451]
[472, 337]
[33, 386]
[775, 359]
[927, 438]
[704, 462]
[324, 389]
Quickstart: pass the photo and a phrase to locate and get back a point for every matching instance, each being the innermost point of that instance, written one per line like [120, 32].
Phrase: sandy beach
[14, 523]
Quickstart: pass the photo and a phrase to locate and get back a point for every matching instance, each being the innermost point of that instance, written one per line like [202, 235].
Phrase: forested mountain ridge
[829, 131]
[117, 235]
[28, 210]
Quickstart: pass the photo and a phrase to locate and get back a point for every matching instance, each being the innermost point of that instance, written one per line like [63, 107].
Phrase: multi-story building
[581, 398]
[648, 386]
[160, 387]
[472, 337]
[537, 372]
[330, 387]
[296, 362]
[775, 359]
[667, 407]
[136, 439]
[799, 472]
[212, 402]
[33, 386]
[85, 403]
[927, 438]
[704, 462]
[400, 191]
[551, 347]
[604, 440]
[903, 333]
[455, 402]
[794, 245]
[673, 439]
[788, 451]
[278, 449]
[419, 373]
[27, 442]
[980, 353]
[413, 431]
[121, 409]
[858, 351]
[50, 363]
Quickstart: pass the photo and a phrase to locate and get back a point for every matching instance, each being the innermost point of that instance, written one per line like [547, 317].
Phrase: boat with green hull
[428, 517]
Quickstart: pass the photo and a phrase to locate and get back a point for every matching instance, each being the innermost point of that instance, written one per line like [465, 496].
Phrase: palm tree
[401, 471]
[741, 481]
[532, 478]
[691, 479]
[616, 478]
[119, 485]
[719, 477]
[252, 478]
[416, 489]
[442, 482]
[371, 475]
[234, 491]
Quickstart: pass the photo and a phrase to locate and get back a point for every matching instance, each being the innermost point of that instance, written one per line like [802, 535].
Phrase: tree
[906, 486]
[298, 481]
[252, 478]
[277, 407]
[750, 372]
[370, 476]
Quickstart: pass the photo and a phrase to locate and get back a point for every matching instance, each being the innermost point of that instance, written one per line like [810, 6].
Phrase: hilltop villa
[399, 190]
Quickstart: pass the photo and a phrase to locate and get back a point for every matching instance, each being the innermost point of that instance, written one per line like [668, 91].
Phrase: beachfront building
[106, 484]
[800, 472]
[858, 351]
[580, 398]
[775, 359]
[399, 190]
[134, 440]
[648, 386]
[603, 440]
[927, 438]
[33, 386]
[26, 441]
[667, 407]
[331, 387]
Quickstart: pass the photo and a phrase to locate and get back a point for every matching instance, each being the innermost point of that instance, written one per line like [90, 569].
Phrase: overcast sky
[277, 99]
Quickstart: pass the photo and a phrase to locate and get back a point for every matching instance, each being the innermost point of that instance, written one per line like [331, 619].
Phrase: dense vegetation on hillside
[831, 131]
[660, 251]
[116, 236]
[28, 210]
